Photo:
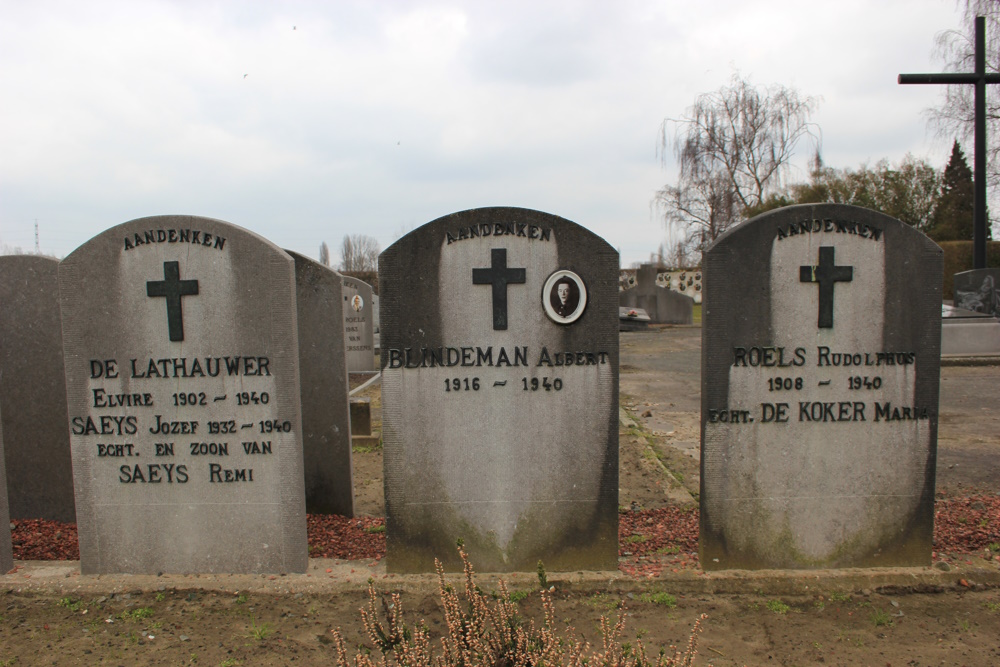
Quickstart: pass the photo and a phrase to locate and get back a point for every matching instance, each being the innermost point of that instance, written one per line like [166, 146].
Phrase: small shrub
[485, 631]
[543, 579]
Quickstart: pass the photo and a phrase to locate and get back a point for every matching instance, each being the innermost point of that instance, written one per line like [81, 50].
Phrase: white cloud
[375, 117]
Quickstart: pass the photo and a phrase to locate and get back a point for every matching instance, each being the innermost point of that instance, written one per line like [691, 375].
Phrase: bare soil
[946, 615]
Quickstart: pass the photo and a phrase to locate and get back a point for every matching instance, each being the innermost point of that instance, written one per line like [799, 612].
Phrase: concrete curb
[330, 576]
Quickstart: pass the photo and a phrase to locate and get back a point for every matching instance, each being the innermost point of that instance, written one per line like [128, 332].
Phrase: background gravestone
[33, 390]
[358, 326]
[181, 352]
[6, 548]
[821, 360]
[500, 399]
[978, 290]
[663, 305]
[326, 426]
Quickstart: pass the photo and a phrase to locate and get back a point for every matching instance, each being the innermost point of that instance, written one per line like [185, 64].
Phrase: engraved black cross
[826, 274]
[499, 276]
[173, 288]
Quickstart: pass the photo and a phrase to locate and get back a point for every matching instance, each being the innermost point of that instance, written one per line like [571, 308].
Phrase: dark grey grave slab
[663, 305]
[326, 426]
[6, 547]
[33, 390]
[821, 362]
[500, 393]
[978, 290]
[632, 319]
[182, 374]
[359, 326]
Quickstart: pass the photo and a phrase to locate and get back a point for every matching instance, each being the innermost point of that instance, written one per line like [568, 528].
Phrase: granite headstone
[500, 393]
[978, 290]
[821, 361]
[358, 326]
[6, 546]
[326, 426]
[663, 305]
[33, 390]
[182, 374]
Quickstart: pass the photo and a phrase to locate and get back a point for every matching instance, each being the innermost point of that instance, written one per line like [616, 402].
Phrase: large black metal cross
[173, 288]
[499, 276]
[826, 274]
[980, 78]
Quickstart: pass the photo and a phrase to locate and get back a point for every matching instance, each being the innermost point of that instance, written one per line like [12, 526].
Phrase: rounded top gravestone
[821, 360]
[181, 357]
[500, 395]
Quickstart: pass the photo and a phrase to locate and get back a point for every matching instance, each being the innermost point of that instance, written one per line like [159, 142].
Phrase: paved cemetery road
[50, 615]
[661, 374]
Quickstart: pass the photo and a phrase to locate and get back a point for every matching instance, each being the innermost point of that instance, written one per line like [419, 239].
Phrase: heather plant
[486, 631]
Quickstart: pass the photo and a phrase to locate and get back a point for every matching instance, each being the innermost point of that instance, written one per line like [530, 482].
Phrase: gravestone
[663, 305]
[33, 390]
[358, 326]
[6, 547]
[182, 379]
[821, 360]
[686, 282]
[978, 290]
[326, 426]
[500, 393]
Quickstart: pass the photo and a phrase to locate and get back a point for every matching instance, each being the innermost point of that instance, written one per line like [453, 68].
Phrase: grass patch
[375, 529]
[778, 607]
[840, 597]
[602, 601]
[659, 598]
[258, 632]
[669, 550]
[517, 596]
[71, 604]
[136, 614]
[881, 618]
[636, 538]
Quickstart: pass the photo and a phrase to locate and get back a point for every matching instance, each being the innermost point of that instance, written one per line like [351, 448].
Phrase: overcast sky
[306, 121]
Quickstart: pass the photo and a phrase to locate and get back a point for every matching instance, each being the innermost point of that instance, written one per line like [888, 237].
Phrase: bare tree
[955, 116]
[359, 253]
[324, 254]
[733, 146]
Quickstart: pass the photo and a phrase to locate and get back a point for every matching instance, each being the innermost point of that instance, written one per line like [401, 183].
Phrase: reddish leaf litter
[38, 539]
[650, 541]
[969, 525]
[333, 536]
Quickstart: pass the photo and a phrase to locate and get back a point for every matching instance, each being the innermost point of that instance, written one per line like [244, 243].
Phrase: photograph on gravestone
[6, 545]
[326, 426]
[500, 393]
[33, 390]
[181, 352]
[358, 326]
[820, 366]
